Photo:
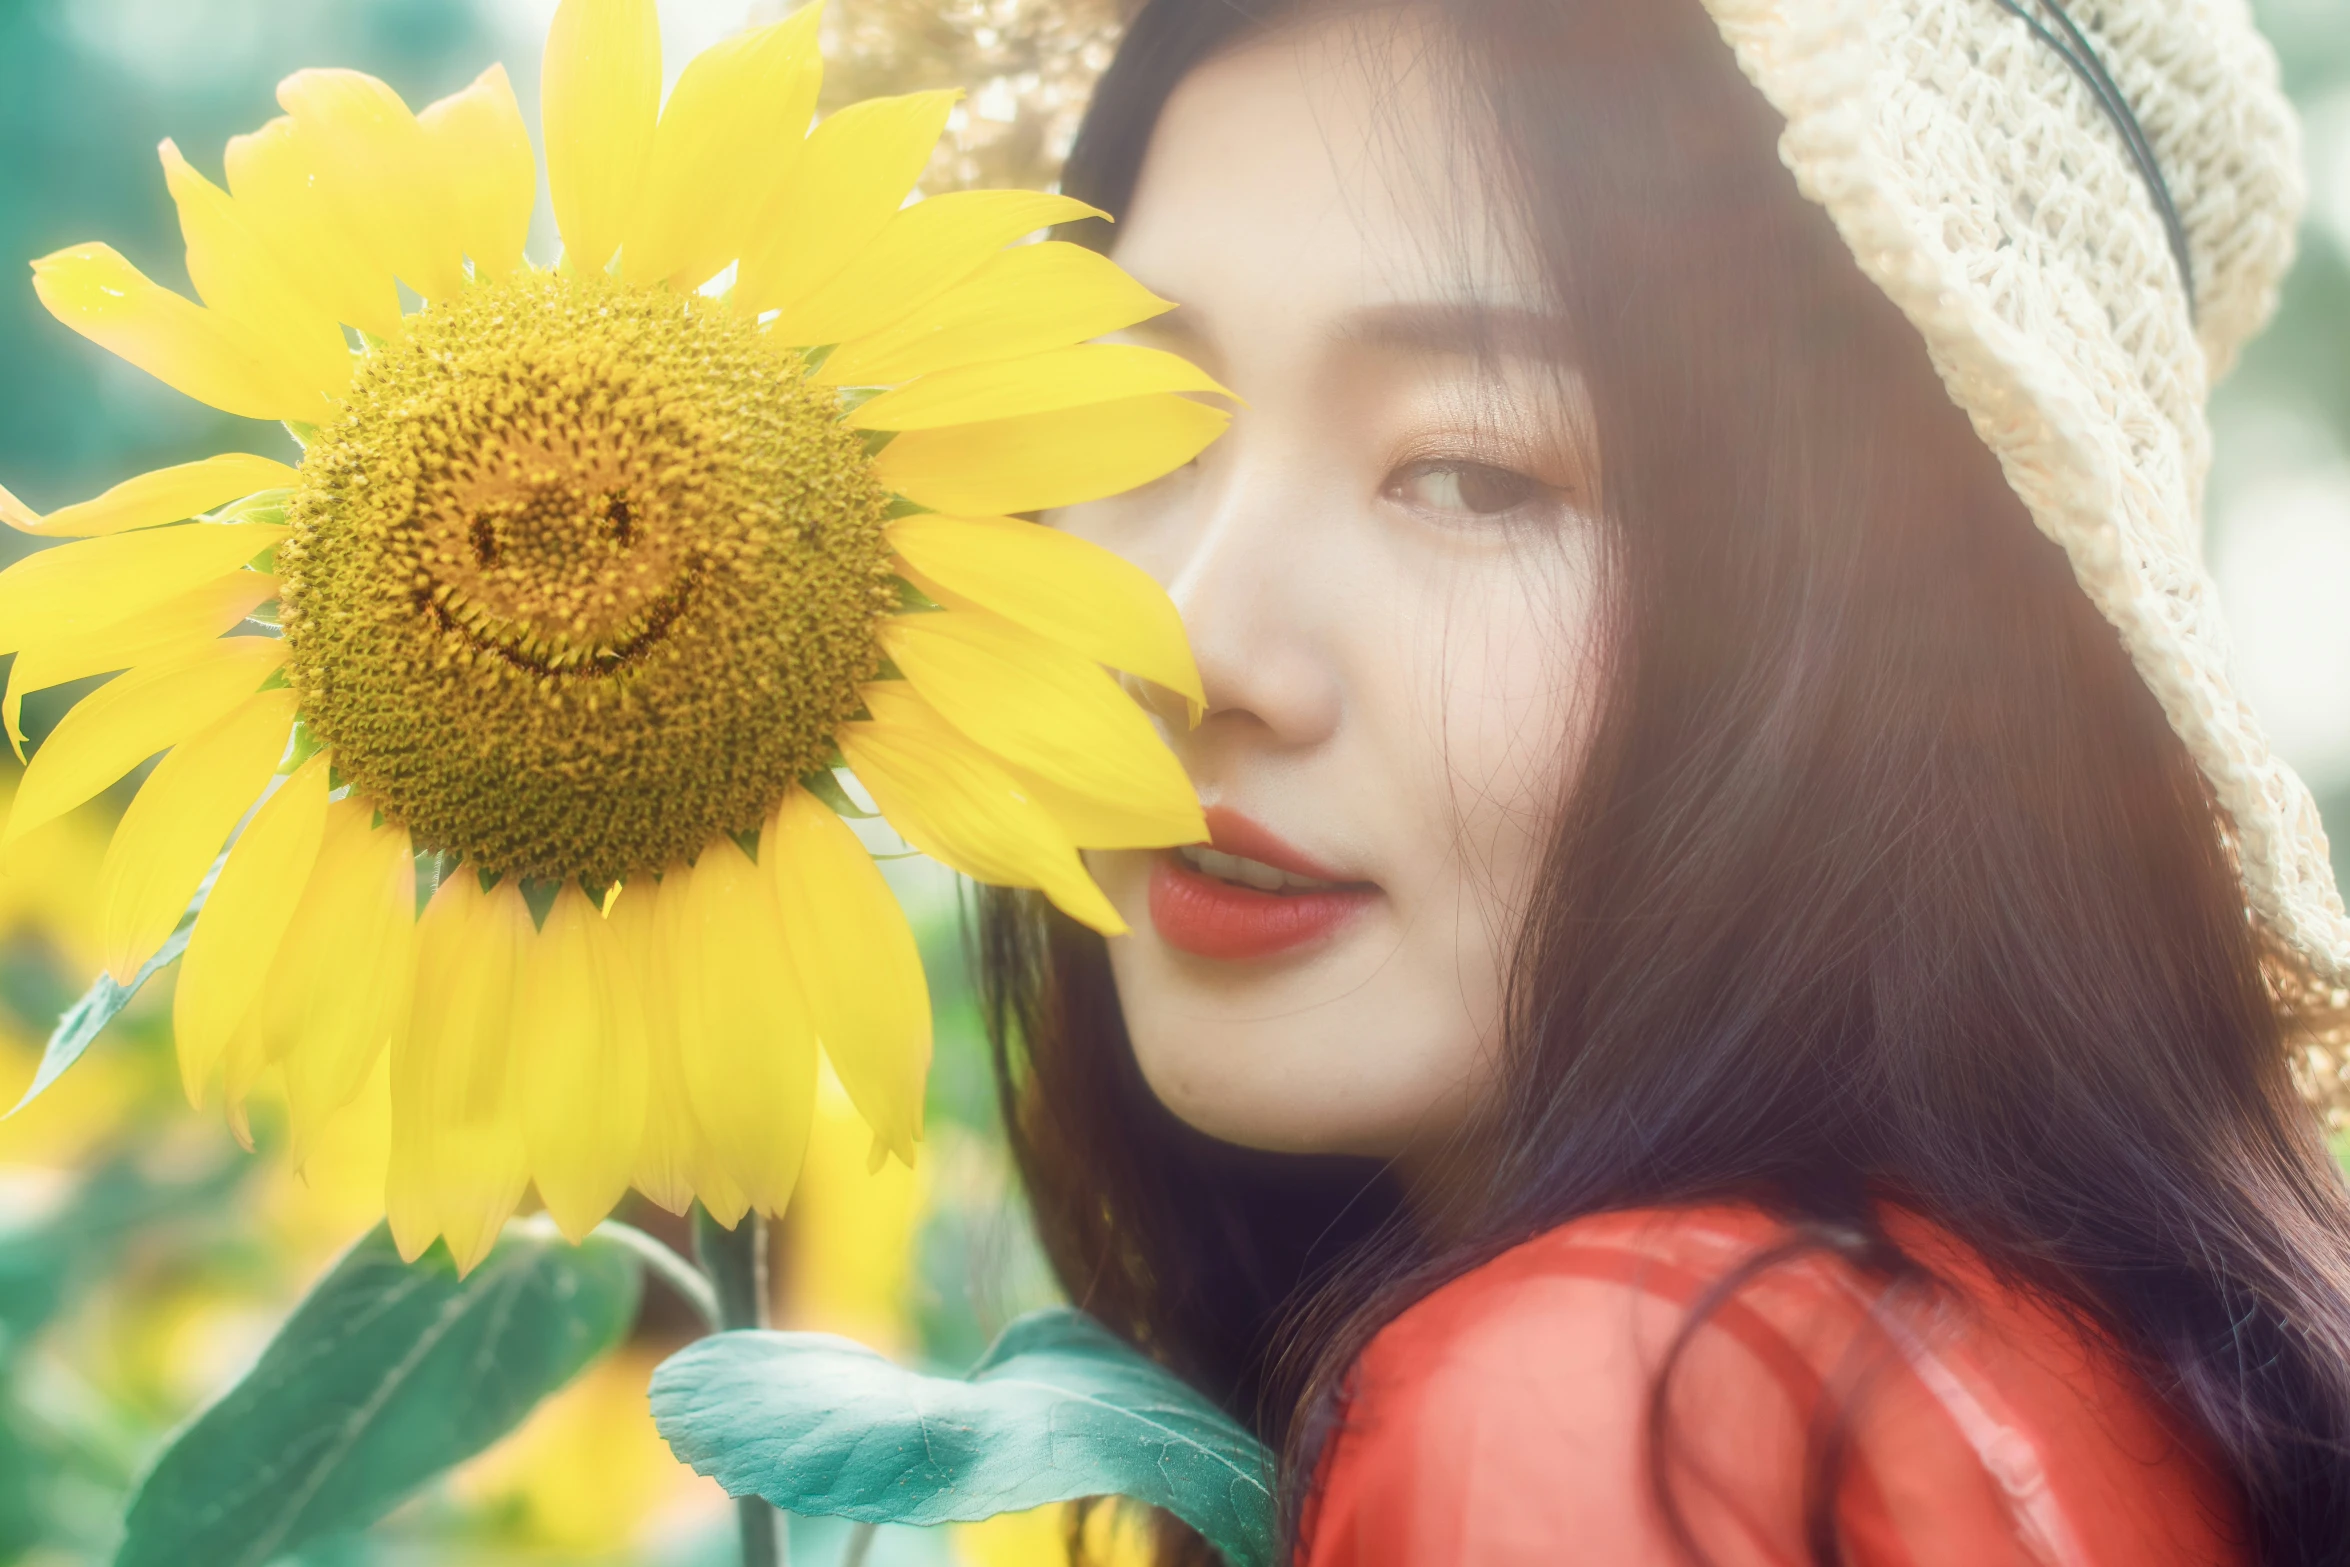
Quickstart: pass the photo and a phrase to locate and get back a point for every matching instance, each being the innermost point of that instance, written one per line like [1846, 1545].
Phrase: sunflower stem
[736, 1262]
[686, 1281]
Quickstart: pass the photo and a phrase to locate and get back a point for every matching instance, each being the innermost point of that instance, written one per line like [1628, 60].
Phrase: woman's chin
[1267, 1111]
[1288, 1022]
[1300, 1071]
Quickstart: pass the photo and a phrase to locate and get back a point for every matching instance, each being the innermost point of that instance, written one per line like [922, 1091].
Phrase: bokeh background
[144, 1259]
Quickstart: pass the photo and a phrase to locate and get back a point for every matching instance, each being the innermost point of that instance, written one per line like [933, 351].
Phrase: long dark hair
[1884, 876]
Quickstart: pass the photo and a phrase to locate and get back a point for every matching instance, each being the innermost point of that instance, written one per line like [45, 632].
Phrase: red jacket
[1503, 1420]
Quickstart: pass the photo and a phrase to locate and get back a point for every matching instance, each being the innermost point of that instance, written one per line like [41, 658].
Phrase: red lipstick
[1211, 917]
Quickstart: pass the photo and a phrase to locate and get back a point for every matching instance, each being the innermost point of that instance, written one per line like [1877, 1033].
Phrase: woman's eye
[1449, 484]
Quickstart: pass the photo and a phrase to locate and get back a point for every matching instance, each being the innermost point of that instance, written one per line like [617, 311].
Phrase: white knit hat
[1977, 155]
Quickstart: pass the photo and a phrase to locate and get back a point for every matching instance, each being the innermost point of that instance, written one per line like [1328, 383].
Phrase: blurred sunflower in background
[521, 696]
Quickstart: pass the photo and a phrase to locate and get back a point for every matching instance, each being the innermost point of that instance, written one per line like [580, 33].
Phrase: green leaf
[1057, 1409]
[384, 1376]
[84, 1020]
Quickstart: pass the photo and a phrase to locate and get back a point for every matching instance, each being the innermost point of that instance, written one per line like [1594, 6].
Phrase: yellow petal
[582, 1078]
[949, 799]
[1040, 461]
[599, 98]
[174, 828]
[855, 172]
[380, 173]
[173, 629]
[339, 990]
[729, 138]
[1089, 821]
[855, 955]
[458, 1162]
[165, 495]
[1092, 822]
[677, 1163]
[237, 276]
[237, 935]
[660, 1171]
[487, 175]
[274, 1021]
[91, 584]
[188, 348]
[1024, 301]
[854, 1241]
[743, 1027]
[1068, 589]
[273, 173]
[133, 716]
[1043, 709]
[1040, 383]
[923, 251]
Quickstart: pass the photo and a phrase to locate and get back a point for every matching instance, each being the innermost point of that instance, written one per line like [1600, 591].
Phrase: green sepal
[433, 866]
[538, 896]
[824, 786]
[305, 745]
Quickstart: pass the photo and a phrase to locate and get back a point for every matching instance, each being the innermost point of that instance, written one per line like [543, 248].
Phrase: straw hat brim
[1980, 185]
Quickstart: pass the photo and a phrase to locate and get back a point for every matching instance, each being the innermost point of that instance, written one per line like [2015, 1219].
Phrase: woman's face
[1389, 575]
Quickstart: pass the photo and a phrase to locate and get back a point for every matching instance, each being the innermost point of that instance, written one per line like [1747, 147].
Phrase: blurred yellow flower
[853, 1233]
[587, 577]
[48, 888]
[587, 1474]
[1115, 1536]
[48, 904]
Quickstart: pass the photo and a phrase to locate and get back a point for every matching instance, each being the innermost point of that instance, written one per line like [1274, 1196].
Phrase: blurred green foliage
[2297, 373]
[88, 88]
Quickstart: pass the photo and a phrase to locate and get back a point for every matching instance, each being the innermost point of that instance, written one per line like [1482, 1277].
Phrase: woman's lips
[1210, 917]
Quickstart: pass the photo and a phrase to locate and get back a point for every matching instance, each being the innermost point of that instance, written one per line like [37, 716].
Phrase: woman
[1720, 1022]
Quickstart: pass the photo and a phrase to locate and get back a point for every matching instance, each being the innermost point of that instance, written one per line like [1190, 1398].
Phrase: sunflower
[519, 702]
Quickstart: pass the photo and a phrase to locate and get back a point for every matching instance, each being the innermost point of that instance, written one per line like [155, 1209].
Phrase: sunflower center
[585, 576]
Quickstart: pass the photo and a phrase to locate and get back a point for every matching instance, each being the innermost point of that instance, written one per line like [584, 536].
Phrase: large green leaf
[386, 1375]
[1058, 1409]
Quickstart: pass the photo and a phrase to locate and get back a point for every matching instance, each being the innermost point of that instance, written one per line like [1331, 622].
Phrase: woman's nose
[1253, 600]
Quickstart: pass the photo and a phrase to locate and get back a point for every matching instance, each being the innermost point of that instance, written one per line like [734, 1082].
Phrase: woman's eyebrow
[1458, 327]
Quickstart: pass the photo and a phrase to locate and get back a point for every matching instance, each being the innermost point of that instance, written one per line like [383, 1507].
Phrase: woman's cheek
[1510, 693]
